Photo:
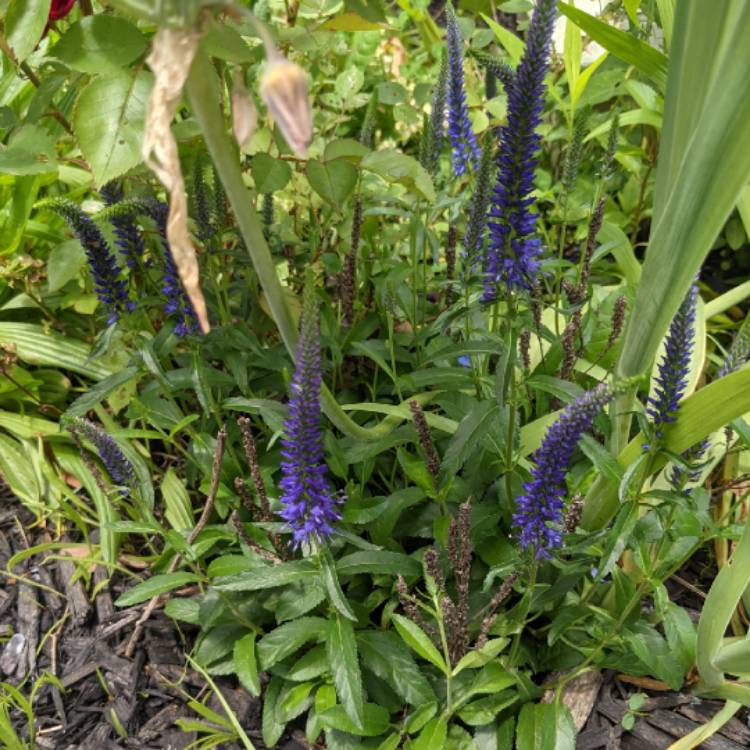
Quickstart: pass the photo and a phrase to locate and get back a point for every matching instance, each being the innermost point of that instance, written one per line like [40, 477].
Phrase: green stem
[203, 92]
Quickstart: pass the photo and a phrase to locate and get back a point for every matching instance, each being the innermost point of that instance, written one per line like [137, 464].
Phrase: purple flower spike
[309, 503]
[463, 140]
[539, 510]
[177, 303]
[110, 287]
[127, 235]
[513, 253]
[674, 366]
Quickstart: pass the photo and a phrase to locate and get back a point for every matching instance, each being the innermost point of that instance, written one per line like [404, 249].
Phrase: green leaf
[269, 174]
[333, 181]
[350, 22]
[245, 664]
[345, 148]
[545, 726]
[271, 725]
[186, 610]
[15, 214]
[492, 678]
[177, 507]
[572, 49]
[376, 720]
[416, 469]
[387, 657]
[97, 393]
[706, 108]
[604, 461]
[17, 471]
[269, 577]
[341, 647]
[621, 44]
[64, 263]
[416, 639]
[333, 587]
[681, 635]
[433, 736]
[108, 121]
[30, 150]
[158, 584]
[393, 166]
[287, 638]
[223, 41]
[651, 648]
[25, 21]
[100, 44]
[481, 656]
[482, 711]
[378, 562]
[508, 40]
[470, 434]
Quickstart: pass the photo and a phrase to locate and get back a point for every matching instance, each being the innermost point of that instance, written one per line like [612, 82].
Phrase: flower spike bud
[119, 468]
[463, 141]
[674, 366]
[283, 87]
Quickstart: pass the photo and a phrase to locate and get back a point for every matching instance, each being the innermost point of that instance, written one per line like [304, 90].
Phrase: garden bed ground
[82, 641]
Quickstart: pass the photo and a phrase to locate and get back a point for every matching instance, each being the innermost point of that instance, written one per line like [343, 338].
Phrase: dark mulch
[58, 628]
[663, 718]
[82, 643]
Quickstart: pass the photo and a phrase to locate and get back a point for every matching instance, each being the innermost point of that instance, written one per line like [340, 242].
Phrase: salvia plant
[398, 356]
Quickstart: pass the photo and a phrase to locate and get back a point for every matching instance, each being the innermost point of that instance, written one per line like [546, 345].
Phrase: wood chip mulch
[55, 627]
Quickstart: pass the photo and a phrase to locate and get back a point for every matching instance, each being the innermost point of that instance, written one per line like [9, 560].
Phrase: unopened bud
[283, 87]
[244, 115]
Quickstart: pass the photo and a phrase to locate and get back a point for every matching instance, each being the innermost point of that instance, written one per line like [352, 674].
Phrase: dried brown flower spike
[172, 52]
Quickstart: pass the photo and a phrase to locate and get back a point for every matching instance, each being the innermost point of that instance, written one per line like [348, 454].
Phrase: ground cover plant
[396, 352]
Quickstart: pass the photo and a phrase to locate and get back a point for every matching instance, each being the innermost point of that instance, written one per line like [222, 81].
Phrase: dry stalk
[172, 53]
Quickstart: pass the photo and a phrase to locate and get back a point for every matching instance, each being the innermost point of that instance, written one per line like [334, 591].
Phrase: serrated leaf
[387, 657]
[271, 725]
[333, 587]
[415, 638]
[108, 121]
[481, 656]
[341, 647]
[287, 638]
[376, 720]
[100, 44]
[602, 459]
[378, 562]
[25, 21]
[97, 393]
[269, 577]
[246, 665]
[651, 648]
[433, 736]
[158, 584]
[469, 436]
[545, 726]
